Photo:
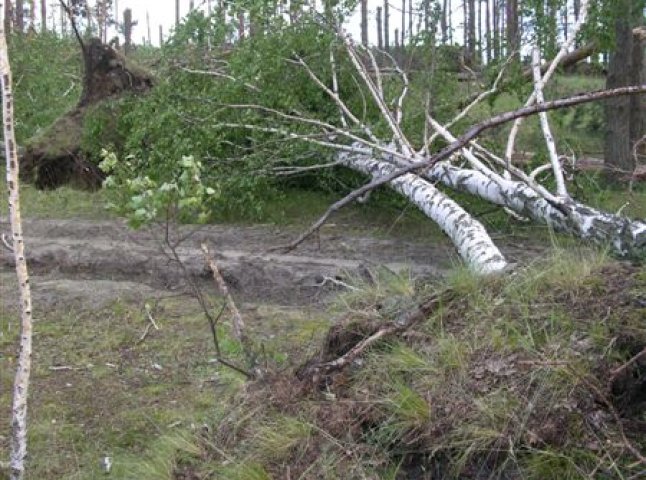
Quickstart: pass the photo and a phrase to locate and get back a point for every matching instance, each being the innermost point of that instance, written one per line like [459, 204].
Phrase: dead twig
[151, 323]
[236, 317]
[5, 241]
[150, 316]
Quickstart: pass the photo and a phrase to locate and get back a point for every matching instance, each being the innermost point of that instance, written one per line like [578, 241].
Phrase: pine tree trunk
[410, 19]
[513, 33]
[471, 48]
[127, 31]
[19, 16]
[43, 15]
[496, 29]
[465, 26]
[386, 26]
[380, 38]
[21, 383]
[450, 22]
[364, 22]
[479, 42]
[617, 149]
[488, 30]
[148, 28]
[8, 17]
[403, 30]
[444, 22]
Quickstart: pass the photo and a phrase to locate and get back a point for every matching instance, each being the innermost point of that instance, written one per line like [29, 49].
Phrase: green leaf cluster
[143, 200]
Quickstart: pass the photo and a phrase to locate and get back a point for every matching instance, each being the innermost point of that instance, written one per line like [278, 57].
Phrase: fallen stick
[238, 323]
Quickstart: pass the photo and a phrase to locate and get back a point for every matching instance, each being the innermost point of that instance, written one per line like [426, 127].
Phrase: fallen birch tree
[380, 146]
[413, 172]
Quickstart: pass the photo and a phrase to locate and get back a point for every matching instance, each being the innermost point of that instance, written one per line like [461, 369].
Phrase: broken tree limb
[561, 190]
[239, 333]
[238, 323]
[23, 371]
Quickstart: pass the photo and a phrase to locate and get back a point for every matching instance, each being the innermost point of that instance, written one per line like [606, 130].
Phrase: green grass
[62, 203]
[141, 403]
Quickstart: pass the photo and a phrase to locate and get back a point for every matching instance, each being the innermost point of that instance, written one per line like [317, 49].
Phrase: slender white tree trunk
[21, 384]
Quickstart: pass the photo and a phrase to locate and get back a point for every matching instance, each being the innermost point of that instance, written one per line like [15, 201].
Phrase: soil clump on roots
[55, 156]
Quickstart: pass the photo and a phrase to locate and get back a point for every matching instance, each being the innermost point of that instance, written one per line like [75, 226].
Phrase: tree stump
[54, 157]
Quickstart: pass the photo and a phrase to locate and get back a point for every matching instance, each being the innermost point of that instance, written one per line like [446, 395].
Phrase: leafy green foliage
[143, 200]
[47, 80]
[192, 112]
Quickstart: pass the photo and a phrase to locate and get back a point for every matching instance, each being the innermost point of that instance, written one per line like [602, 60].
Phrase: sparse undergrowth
[99, 390]
[516, 377]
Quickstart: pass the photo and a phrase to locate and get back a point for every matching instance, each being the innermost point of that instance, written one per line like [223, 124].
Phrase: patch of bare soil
[82, 260]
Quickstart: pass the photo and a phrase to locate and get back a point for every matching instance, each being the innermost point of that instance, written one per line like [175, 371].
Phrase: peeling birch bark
[21, 383]
[468, 235]
[625, 235]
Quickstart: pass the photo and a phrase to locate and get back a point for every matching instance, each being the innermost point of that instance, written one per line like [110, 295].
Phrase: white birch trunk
[21, 384]
[545, 126]
[467, 234]
[625, 235]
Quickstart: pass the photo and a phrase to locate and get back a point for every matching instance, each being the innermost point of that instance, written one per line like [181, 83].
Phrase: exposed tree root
[55, 157]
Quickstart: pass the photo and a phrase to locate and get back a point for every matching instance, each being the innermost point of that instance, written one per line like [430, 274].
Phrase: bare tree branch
[561, 190]
[545, 78]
